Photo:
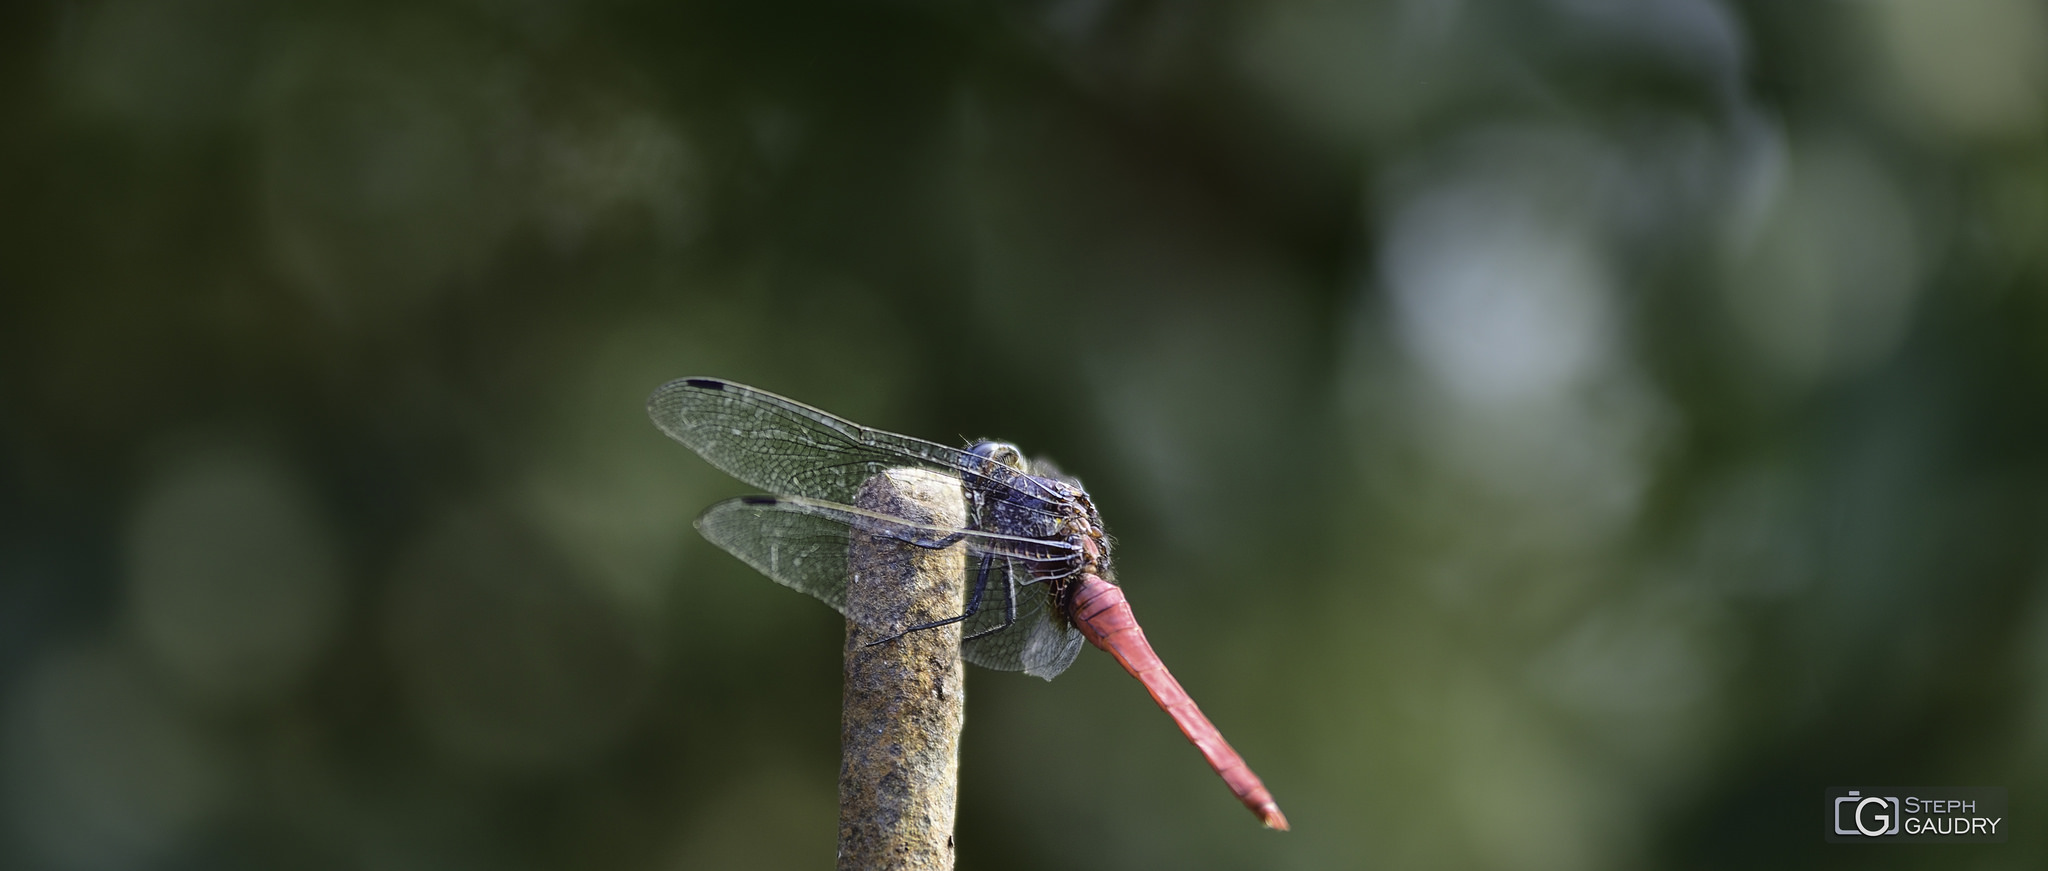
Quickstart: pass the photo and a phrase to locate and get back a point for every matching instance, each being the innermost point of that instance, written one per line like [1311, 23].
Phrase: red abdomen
[1104, 617]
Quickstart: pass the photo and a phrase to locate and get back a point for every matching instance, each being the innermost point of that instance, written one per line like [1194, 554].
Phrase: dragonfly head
[1002, 453]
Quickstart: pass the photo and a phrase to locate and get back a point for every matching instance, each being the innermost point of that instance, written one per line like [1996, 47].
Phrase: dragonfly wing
[784, 446]
[802, 544]
[1050, 648]
[1041, 643]
[804, 552]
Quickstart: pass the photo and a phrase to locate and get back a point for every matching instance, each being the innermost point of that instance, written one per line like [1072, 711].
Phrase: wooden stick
[905, 702]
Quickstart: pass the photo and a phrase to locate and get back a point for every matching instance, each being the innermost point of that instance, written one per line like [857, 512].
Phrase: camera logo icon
[1867, 815]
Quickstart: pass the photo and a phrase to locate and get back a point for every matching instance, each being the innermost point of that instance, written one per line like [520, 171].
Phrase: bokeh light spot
[233, 576]
[102, 769]
[507, 658]
[1825, 284]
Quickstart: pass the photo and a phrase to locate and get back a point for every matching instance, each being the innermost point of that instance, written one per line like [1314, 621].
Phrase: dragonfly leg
[1009, 613]
[932, 543]
[973, 605]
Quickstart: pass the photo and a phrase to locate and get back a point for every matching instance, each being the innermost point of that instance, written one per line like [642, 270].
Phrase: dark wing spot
[759, 500]
[705, 383]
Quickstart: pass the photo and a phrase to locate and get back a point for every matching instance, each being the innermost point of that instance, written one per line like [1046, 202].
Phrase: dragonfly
[1039, 581]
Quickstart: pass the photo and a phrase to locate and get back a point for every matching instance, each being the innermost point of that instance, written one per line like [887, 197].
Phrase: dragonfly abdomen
[1104, 617]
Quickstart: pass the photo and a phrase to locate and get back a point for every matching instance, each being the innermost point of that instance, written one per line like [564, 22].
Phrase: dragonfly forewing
[784, 446]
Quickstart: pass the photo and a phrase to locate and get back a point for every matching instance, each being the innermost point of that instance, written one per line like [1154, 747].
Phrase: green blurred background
[1547, 435]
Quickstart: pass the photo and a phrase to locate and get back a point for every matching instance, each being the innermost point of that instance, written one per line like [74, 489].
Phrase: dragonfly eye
[1001, 452]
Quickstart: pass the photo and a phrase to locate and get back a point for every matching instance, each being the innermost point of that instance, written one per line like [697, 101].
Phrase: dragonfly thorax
[1009, 495]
